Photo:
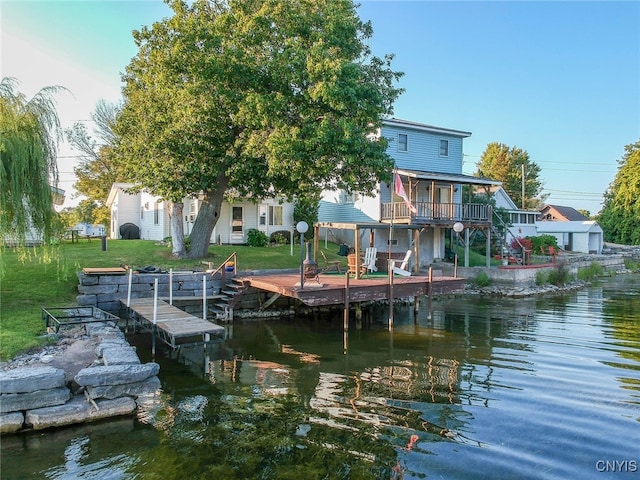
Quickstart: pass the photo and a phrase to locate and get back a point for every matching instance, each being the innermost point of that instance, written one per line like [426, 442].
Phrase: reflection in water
[476, 388]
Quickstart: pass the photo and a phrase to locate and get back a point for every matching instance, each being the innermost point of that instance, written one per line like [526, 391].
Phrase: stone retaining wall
[106, 291]
[39, 397]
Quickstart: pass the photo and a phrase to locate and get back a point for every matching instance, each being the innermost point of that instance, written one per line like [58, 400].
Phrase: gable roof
[564, 213]
[397, 122]
[569, 227]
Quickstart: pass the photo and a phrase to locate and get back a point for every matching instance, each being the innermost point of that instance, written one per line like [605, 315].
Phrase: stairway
[231, 293]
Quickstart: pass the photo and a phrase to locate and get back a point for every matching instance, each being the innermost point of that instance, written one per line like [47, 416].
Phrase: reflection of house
[236, 219]
[429, 166]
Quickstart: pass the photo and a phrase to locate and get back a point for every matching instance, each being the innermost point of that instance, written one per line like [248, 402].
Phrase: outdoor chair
[403, 268]
[351, 261]
[330, 265]
[370, 256]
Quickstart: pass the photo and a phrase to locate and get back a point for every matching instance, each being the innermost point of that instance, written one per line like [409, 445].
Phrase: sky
[558, 79]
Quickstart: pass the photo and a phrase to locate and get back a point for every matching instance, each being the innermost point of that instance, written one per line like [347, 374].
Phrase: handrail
[233, 256]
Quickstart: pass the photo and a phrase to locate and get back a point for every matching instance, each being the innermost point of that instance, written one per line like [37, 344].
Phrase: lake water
[535, 388]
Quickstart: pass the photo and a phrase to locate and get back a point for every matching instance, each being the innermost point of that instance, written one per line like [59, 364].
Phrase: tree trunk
[177, 229]
[208, 215]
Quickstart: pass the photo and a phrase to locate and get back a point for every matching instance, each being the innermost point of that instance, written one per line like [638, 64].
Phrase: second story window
[444, 148]
[403, 142]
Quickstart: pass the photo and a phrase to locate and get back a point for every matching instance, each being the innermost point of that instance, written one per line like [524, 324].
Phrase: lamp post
[457, 227]
[302, 228]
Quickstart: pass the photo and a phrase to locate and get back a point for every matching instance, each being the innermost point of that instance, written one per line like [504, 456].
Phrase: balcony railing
[438, 213]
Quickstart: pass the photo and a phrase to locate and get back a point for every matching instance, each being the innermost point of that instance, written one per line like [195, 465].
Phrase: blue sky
[560, 80]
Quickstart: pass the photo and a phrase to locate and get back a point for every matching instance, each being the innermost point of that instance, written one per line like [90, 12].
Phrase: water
[483, 388]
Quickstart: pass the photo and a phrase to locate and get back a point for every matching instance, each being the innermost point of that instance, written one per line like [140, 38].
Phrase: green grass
[31, 278]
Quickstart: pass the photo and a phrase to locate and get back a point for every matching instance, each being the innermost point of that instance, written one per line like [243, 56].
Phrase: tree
[499, 162]
[252, 98]
[620, 215]
[29, 135]
[97, 169]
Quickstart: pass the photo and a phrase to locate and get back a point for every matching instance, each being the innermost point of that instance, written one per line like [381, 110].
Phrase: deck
[330, 289]
[173, 326]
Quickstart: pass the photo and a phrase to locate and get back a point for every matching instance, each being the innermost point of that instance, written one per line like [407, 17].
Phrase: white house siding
[576, 236]
[125, 208]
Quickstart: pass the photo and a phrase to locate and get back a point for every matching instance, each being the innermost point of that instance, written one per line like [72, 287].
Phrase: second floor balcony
[438, 214]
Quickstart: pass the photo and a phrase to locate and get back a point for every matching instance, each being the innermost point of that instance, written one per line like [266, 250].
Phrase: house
[521, 223]
[149, 214]
[429, 174]
[575, 236]
[557, 213]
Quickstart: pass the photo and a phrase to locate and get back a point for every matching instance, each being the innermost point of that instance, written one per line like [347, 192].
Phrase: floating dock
[173, 326]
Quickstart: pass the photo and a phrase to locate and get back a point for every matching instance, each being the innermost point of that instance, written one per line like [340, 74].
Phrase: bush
[590, 272]
[559, 275]
[631, 264]
[542, 278]
[518, 243]
[541, 243]
[280, 237]
[256, 238]
[482, 280]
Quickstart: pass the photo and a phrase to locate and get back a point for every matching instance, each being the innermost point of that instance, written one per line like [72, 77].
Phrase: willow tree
[254, 98]
[29, 134]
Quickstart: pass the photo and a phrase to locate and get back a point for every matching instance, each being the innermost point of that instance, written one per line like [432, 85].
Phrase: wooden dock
[173, 326]
[332, 289]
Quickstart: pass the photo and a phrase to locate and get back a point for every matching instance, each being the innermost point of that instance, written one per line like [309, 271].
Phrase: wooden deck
[173, 326]
[329, 289]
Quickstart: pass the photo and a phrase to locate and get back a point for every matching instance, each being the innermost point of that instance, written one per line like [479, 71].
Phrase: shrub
[559, 275]
[631, 264]
[482, 280]
[280, 237]
[256, 238]
[518, 243]
[590, 272]
[542, 278]
[541, 243]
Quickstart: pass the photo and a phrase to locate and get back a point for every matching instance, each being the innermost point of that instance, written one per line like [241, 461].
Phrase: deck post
[390, 269]
[345, 315]
[204, 297]
[155, 317]
[129, 289]
[430, 292]
[171, 286]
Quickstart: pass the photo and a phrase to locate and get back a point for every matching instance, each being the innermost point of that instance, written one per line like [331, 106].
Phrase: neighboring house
[90, 230]
[575, 236]
[557, 213]
[149, 214]
[428, 163]
[522, 223]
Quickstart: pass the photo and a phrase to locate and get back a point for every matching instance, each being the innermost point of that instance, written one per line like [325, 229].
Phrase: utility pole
[522, 170]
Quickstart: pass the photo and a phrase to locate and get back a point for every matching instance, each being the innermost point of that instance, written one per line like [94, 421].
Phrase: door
[237, 225]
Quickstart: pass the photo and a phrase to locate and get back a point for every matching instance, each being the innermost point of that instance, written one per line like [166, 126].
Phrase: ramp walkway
[173, 326]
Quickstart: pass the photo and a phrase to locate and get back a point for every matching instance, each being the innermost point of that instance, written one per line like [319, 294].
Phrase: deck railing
[428, 212]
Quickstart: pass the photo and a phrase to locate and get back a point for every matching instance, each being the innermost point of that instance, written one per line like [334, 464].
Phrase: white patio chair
[370, 256]
[403, 268]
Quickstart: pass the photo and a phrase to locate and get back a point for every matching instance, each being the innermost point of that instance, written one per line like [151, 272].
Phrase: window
[156, 214]
[275, 215]
[403, 142]
[444, 148]
[236, 220]
[263, 216]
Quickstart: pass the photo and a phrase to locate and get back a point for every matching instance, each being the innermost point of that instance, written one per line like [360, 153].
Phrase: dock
[173, 326]
[334, 289]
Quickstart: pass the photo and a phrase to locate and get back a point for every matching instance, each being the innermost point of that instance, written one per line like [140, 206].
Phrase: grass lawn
[31, 278]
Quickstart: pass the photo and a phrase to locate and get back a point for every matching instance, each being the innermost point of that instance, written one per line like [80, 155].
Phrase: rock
[116, 374]
[78, 410]
[11, 422]
[15, 402]
[148, 386]
[120, 356]
[30, 379]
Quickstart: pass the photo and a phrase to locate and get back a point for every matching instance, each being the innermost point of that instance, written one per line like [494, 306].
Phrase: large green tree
[97, 169]
[504, 163]
[620, 215]
[254, 97]
[29, 135]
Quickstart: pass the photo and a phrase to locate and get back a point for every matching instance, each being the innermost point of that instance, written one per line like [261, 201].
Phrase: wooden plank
[104, 271]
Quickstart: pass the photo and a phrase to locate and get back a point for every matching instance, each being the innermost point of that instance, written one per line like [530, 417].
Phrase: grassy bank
[34, 277]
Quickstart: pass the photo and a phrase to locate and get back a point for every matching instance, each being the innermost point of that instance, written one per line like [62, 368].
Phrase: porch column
[488, 247]
[416, 250]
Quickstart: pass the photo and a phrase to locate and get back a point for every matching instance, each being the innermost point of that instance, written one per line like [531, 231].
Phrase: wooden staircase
[230, 295]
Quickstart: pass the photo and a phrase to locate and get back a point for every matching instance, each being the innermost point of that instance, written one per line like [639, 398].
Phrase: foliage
[482, 280]
[592, 271]
[257, 238]
[306, 209]
[97, 168]
[499, 162]
[631, 264]
[559, 275]
[519, 243]
[542, 242]
[28, 150]
[253, 98]
[620, 215]
[280, 237]
[542, 278]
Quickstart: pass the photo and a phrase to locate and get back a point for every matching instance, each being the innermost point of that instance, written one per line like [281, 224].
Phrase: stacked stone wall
[40, 397]
[106, 291]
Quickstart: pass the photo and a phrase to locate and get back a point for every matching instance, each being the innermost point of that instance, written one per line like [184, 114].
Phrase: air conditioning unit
[192, 217]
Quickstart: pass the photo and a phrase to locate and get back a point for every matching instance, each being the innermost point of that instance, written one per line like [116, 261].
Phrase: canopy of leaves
[500, 162]
[28, 148]
[620, 216]
[253, 96]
